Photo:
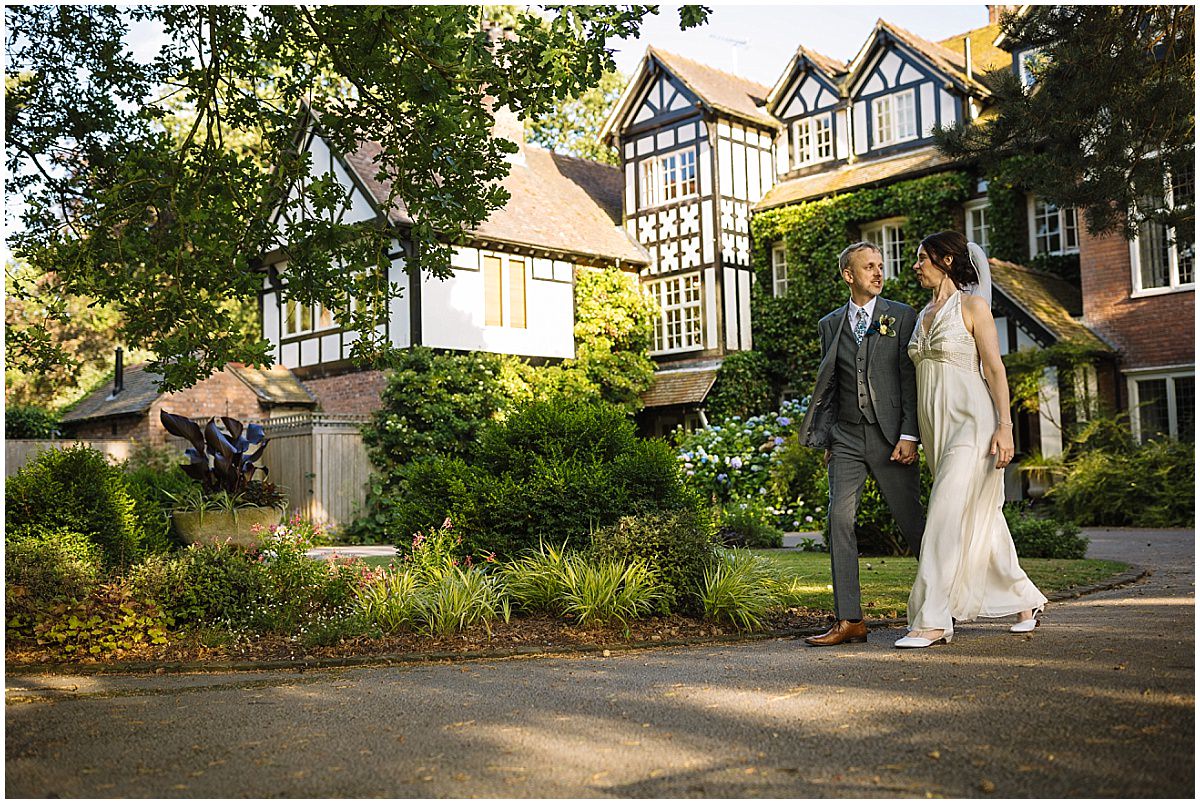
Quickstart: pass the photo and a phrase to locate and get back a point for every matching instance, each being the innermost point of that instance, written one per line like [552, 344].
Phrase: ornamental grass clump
[740, 587]
[603, 591]
[534, 581]
[458, 599]
[390, 603]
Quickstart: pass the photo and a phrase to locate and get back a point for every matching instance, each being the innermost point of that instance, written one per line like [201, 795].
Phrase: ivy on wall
[1008, 238]
[813, 234]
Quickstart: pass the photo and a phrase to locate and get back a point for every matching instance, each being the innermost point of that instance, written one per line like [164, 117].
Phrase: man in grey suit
[863, 412]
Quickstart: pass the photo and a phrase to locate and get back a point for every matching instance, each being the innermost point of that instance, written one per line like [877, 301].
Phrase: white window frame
[887, 118]
[680, 323]
[1170, 374]
[1174, 283]
[813, 136]
[289, 314]
[670, 177]
[982, 206]
[779, 270]
[506, 282]
[1068, 223]
[889, 235]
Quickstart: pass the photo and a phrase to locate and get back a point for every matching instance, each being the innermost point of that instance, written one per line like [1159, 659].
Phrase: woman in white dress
[968, 565]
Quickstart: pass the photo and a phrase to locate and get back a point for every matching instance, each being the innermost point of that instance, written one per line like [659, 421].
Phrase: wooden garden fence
[318, 459]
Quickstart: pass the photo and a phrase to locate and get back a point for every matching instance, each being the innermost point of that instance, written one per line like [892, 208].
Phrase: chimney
[967, 57]
[994, 13]
[119, 378]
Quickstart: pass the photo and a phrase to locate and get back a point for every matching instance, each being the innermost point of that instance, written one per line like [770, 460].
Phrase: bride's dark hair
[941, 245]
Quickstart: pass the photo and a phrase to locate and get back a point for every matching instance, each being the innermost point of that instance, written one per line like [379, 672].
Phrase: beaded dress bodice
[944, 339]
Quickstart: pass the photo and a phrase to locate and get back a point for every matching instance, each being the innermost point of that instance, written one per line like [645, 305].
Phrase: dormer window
[814, 139]
[895, 117]
[668, 177]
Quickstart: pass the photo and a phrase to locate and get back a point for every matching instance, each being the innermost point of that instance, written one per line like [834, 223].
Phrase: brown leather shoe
[842, 631]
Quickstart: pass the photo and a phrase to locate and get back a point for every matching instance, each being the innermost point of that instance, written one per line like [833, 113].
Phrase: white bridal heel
[921, 642]
[1025, 626]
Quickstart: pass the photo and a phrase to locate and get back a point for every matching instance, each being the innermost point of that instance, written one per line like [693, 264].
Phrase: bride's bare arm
[979, 322]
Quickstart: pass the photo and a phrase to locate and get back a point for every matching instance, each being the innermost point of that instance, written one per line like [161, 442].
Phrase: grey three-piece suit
[865, 397]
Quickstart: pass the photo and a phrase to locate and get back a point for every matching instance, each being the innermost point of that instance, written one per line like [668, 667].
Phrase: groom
[863, 412]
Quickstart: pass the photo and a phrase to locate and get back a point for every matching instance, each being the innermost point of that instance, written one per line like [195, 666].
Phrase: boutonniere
[885, 326]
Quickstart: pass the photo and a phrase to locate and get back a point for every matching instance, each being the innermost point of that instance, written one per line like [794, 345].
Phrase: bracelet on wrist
[1009, 424]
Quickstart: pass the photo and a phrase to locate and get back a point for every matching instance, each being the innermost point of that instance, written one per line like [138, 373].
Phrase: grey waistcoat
[854, 398]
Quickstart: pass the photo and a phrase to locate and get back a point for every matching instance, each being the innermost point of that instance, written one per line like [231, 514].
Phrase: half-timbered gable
[900, 86]
[807, 99]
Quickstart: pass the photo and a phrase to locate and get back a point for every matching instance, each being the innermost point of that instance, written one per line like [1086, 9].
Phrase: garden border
[1132, 575]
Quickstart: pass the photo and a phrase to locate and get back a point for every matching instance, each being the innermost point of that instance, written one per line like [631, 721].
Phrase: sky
[771, 33]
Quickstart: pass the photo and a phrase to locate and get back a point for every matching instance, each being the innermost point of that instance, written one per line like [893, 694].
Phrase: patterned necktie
[860, 326]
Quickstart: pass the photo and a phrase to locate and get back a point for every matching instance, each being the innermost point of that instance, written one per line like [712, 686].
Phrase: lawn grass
[886, 581]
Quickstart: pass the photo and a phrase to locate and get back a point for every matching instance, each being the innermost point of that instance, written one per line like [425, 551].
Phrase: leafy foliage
[1110, 112]
[109, 619]
[1152, 486]
[573, 127]
[739, 587]
[42, 565]
[161, 220]
[220, 461]
[78, 490]
[30, 421]
[677, 544]
[535, 579]
[748, 523]
[813, 234]
[1038, 537]
[743, 387]
[603, 591]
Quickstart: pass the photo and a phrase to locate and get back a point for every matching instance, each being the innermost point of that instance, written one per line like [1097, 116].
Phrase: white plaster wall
[452, 317]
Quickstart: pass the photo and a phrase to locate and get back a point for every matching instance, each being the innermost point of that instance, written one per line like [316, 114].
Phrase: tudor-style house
[512, 289]
[834, 128]
[696, 147]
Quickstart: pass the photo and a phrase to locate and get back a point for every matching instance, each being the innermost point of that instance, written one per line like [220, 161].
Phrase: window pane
[306, 318]
[1070, 223]
[1153, 255]
[1152, 411]
[516, 293]
[492, 289]
[1185, 408]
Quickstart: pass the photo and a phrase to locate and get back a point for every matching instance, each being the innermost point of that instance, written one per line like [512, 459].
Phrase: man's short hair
[844, 257]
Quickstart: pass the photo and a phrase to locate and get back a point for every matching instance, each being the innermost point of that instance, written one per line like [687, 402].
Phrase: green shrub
[739, 587]
[678, 545]
[875, 528]
[748, 523]
[220, 585]
[422, 495]
[152, 488]
[534, 581]
[297, 590]
[1153, 486]
[603, 591]
[1035, 537]
[552, 471]
[110, 618]
[77, 489]
[42, 566]
[744, 388]
[30, 421]
[799, 487]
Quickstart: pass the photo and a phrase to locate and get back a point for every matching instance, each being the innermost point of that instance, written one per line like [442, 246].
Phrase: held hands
[1002, 445]
[905, 452]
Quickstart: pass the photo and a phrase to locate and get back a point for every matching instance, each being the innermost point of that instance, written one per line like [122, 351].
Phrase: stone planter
[220, 527]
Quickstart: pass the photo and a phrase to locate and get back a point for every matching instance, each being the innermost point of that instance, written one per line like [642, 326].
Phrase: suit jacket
[891, 376]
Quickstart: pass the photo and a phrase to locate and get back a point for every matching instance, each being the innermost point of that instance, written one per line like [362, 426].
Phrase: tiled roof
[137, 396]
[984, 53]
[1048, 299]
[275, 386]
[854, 176]
[832, 67]
[559, 203]
[721, 90]
[679, 387]
[363, 162]
[951, 62]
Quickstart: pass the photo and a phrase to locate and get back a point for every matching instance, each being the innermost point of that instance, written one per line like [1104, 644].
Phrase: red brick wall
[356, 392]
[1149, 331]
[222, 394]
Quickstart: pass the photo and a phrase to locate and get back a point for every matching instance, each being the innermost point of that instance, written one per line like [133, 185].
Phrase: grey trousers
[856, 450]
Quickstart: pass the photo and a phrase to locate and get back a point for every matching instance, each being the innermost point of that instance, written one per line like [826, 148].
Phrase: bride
[968, 565]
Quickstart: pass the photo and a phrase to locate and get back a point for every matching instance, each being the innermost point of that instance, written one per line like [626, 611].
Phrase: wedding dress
[968, 565]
